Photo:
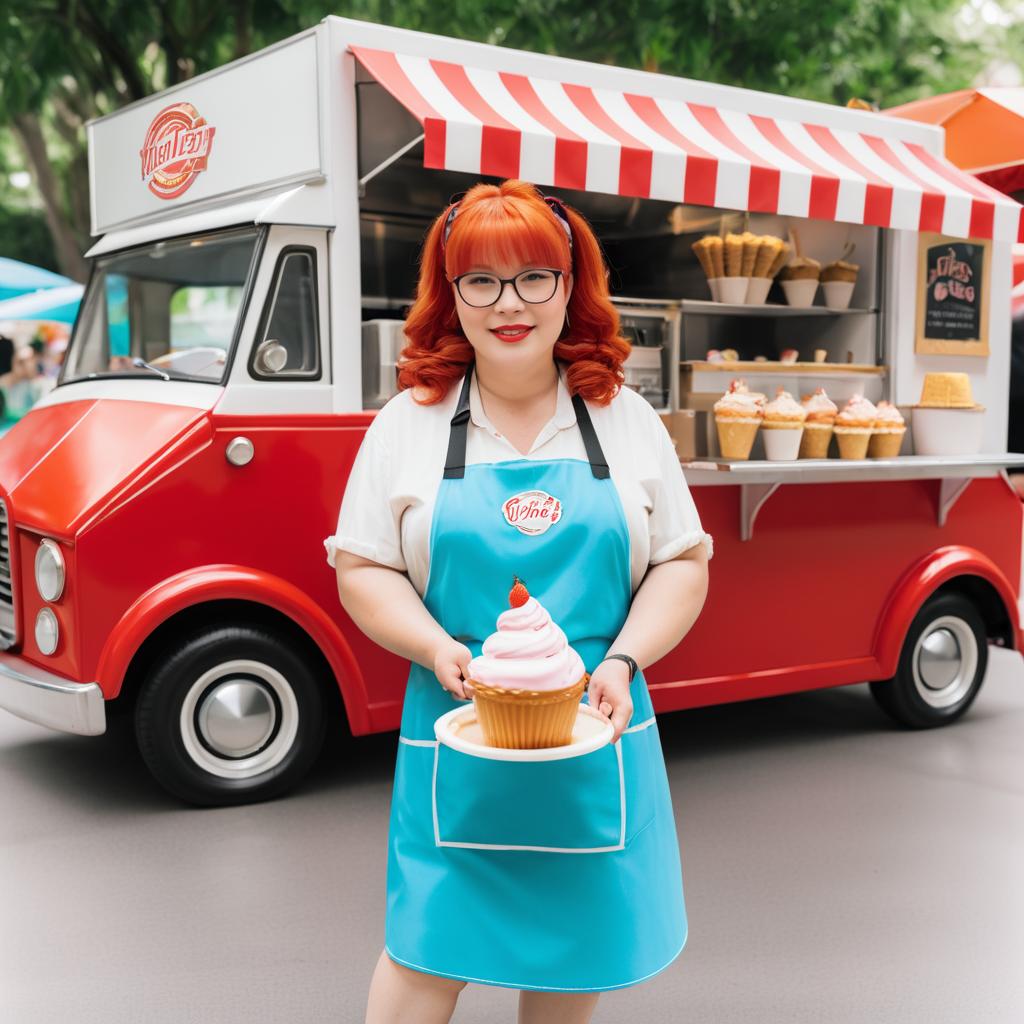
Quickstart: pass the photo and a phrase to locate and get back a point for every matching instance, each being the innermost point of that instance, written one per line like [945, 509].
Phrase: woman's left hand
[608, 692]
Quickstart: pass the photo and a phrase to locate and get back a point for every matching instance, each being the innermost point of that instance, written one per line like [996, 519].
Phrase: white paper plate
[460, 730]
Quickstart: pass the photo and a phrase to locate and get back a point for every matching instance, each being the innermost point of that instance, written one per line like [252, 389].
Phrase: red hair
[511, 223]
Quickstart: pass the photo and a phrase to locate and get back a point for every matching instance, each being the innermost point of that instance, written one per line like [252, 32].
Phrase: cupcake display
[738, 414]
[854, 426]
[887, 436]
[783, 426]
[821, 415]
[527, 682]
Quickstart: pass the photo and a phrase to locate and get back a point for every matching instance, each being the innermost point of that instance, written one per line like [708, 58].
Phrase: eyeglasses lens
[485, 289]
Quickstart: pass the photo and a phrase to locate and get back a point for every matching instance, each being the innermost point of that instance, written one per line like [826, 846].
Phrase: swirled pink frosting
[527, 652]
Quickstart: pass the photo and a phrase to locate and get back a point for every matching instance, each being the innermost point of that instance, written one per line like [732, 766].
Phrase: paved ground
[836, 870]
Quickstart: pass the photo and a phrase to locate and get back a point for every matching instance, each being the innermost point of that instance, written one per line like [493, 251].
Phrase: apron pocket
[641, 751]
[571, 805]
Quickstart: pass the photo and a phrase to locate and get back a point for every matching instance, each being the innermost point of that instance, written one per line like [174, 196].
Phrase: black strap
[455, 463]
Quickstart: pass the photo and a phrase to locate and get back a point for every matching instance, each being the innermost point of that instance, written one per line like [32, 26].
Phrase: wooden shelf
[750, 366]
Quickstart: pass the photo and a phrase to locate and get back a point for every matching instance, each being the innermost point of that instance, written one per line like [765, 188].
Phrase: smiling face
[512, 328]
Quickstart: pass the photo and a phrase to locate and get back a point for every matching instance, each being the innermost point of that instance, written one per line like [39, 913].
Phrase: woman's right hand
[451, 666]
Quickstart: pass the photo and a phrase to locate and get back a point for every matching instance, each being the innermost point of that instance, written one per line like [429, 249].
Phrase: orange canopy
[984, 131]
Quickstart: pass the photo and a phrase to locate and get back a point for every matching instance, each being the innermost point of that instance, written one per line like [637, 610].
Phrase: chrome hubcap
[944, 662]
[239, 719]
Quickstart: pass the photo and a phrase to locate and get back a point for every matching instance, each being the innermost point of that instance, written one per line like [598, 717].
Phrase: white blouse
[388, 504]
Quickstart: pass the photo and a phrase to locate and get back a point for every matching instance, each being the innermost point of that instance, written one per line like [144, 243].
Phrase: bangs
[501, 231]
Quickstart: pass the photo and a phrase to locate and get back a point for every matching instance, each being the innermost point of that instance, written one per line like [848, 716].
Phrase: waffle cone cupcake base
[527, 719]
[853, 444]
[885, 446]
[736, 437]
[815, 441]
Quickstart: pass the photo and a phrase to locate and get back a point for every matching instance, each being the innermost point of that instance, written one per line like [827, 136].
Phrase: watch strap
[628, 660]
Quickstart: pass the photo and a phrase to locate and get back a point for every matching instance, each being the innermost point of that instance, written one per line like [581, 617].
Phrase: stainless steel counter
[758, 479]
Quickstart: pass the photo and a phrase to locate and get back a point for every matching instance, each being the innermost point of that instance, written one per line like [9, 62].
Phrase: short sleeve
[674, 522]
[369, 521]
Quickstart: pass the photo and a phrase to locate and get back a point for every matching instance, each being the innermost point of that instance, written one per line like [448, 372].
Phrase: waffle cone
[702, 248]
[885, 446]
[736, 439]
[717, 250]
[814, 442]
[527, 719]
[766, 254]
[751, 244]
[853, 445]
[733, 255]
[780, 259]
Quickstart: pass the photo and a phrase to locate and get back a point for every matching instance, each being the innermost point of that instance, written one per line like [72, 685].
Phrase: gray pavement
[837, 869]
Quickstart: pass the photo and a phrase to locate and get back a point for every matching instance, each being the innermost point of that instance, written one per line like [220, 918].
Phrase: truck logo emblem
[532, 512]
[176, 148]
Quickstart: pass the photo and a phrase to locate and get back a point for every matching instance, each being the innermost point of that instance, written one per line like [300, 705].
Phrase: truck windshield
[174, 304]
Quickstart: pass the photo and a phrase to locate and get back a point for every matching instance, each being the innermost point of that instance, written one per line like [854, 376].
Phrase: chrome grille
[7, 631]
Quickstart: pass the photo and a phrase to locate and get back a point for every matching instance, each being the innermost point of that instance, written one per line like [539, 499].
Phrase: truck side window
[288, 340]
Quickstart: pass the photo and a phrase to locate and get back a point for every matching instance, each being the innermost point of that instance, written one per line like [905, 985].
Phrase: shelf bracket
[950, 489]
[752, 497]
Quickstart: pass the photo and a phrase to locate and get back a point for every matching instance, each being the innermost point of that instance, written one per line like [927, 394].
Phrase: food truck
[162, 511]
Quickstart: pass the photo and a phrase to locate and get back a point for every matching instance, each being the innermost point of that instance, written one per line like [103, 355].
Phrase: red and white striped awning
[553, 133]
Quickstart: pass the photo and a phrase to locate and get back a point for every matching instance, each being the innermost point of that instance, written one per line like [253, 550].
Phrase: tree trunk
[66, 244]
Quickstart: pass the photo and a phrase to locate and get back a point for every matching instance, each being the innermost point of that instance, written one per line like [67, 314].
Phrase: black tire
[252, 729]
[941, 667]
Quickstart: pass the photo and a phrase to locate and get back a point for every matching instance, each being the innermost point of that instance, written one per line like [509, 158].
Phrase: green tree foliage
[63, 62]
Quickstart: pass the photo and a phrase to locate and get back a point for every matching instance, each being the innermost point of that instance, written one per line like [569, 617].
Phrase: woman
[511, 383]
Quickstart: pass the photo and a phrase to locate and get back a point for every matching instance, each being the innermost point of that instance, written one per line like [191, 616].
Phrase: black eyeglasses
[534, 286]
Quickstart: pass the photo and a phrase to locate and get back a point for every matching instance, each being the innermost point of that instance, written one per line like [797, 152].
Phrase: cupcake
[799, 280]
[839, 270]
[821, 414]
[783, 424]
[838, 279]
[527, 682]
[887, 437]
[854, 426]
[801, 268]
[738, 414]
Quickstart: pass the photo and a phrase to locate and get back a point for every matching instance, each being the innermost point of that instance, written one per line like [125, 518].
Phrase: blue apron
[551, 875]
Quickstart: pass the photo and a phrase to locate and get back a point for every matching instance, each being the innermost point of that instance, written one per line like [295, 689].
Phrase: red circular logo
[176, 148]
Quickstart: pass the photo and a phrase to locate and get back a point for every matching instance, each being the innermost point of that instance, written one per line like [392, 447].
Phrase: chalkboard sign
[952, 295]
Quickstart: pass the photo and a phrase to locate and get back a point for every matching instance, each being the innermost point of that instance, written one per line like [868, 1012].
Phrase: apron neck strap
[455, 463]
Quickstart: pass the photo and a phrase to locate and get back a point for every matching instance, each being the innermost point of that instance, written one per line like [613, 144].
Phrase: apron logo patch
[532, 512]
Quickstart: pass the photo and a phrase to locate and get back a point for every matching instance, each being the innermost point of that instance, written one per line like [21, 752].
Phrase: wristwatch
[629, 661]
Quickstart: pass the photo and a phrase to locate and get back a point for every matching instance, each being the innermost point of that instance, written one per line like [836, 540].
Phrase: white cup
[757, 290]
[733, 290]
[947, 431]
[713, 284]
[781, 444]
[800, 292]
[838, 293]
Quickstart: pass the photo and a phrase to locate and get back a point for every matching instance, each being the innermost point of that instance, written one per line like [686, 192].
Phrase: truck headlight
[47, 631]
[49, 571]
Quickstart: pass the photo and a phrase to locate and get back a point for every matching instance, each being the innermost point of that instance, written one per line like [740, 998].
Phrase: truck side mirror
[271, 356]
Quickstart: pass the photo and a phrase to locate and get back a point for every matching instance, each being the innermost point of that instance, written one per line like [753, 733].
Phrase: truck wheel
[941, 667]
[231, 716]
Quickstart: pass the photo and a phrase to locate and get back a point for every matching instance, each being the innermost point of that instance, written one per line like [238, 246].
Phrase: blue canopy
[17, 278]
[60, 304]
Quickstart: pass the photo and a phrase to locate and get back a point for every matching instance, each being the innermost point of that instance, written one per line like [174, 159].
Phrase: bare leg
[556, 1007]
[399, 995]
